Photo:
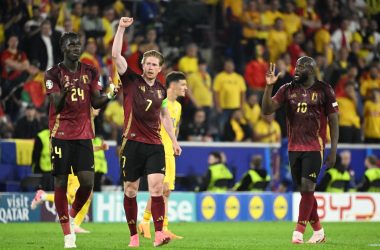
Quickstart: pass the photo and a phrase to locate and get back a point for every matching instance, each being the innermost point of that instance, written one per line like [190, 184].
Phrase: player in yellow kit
[176, 86]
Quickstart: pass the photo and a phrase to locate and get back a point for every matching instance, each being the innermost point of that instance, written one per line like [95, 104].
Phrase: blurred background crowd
[223, 46]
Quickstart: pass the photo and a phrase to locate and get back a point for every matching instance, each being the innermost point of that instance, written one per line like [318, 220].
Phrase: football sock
[82, 213]
[48, 197]
[130, 208]
[158, 212]
[147, 216]
[81, 197]
[305, 208]
[60, 201]
[314, 218]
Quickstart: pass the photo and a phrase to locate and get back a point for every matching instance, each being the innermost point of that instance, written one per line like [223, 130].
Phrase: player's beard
[301, 79]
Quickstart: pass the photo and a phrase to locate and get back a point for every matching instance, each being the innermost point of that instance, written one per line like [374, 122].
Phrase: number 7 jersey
[74, 121]
[306, 114]
[142, 107]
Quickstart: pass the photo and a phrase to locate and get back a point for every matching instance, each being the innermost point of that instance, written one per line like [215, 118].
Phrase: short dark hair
[66, 36]
[174, 76]
[217, 155]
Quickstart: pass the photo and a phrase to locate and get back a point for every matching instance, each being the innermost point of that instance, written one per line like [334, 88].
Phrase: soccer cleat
[318, 237]
[134, 241]
[37, 200]
[160, 239]
[297, 238]
[79, 230]
[172, 235]
[144, 229]
[70, 241]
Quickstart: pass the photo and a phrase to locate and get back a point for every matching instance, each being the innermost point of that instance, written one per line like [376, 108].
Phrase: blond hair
[153, 53]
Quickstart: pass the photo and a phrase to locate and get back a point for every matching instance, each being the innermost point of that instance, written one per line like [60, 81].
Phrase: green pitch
[218, 235]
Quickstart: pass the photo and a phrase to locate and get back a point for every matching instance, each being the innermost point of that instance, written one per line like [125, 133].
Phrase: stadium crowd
[224, 47]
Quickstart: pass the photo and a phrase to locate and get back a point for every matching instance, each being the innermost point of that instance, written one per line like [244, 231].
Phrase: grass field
[217, 235]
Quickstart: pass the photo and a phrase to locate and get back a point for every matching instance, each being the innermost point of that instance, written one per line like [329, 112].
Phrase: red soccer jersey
[74, 121]
[306, 114]
[142, 107]
[7, 72]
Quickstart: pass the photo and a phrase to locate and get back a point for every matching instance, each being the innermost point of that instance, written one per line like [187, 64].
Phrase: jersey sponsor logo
[49, 84]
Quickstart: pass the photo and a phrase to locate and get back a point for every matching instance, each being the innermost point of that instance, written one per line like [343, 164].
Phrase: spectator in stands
[341, 38]
[256, 179]
[199, 84]
[267, 130]
[349, 122]
[237, 128]
[76, 16]
[252, 109]
[350, 76]
[151, 37]
[229, 92]
[277, 40]
[310, 18]
[28, 126]
[292, 21]
[14, 64]
[337, 68]
[370, 80]
[189, 63]
[371, 126]
[196, 130]
[107, 21]
[256, 69]
[91, 23]
[6, 126]
[322, 41]
[371, 178]
[336, 179]
[44, 47]
[295, 48]
[218, 176]
[33, 25]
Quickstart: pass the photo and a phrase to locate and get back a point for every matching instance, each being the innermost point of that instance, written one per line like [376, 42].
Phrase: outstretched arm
[268, 105]
[119, 60]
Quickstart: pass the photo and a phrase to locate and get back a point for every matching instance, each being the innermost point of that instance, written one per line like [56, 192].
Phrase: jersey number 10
[302, 107]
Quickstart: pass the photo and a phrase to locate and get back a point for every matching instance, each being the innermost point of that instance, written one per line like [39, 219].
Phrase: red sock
[306, 206]
[314, 218]
[81, 197]
[61, 205]
[130, 208]
[158, 212]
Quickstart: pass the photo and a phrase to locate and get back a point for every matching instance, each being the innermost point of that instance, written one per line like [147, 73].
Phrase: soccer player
[73, 185]
[73, 88]
[176, 86]
[142, 152]
[309, 104]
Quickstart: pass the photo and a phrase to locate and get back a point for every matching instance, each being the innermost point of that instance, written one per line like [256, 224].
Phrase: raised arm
[118, 59]
[268, 105]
